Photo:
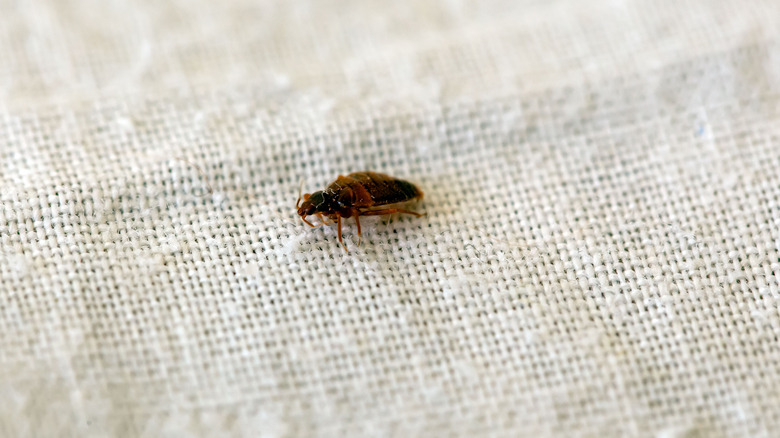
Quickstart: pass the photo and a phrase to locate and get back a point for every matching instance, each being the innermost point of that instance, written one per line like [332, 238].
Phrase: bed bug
[358, 194]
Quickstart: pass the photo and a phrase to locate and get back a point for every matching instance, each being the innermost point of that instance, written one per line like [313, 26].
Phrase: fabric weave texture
[600, 255]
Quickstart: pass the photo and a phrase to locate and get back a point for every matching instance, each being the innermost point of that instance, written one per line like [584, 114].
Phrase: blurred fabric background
[600, 255]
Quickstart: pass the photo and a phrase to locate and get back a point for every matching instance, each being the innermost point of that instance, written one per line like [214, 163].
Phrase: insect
[358, 194]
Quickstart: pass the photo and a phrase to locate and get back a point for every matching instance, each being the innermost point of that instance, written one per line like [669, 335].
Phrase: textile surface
[600, 254]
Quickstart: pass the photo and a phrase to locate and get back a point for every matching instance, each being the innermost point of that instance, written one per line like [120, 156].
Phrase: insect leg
[309, 223]
[357, 221]
[322, 219]
[338, 222]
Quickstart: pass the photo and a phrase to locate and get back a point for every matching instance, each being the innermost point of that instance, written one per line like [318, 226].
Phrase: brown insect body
[358, 194]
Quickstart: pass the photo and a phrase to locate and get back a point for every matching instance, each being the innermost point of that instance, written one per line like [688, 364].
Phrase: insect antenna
[300, 188]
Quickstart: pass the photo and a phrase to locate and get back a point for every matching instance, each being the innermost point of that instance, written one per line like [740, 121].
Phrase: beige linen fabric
[600, 255]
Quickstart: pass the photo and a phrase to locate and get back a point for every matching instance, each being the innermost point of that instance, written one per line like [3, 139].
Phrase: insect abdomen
[385, 189]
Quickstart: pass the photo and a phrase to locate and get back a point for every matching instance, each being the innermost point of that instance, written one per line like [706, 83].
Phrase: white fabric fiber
[600, 255]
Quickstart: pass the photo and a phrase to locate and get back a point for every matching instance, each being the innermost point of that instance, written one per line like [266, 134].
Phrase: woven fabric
[600, 255]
